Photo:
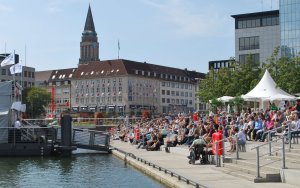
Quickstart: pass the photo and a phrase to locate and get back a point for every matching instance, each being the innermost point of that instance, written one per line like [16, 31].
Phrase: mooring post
[66, 136]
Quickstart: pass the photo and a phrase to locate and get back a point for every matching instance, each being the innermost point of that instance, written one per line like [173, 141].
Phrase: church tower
[89, 45]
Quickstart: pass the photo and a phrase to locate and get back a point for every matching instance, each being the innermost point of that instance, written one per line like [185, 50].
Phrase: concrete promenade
[176, 161]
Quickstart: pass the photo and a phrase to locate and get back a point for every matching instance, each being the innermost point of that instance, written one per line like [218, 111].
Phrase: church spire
[89, 23]
[89, 45]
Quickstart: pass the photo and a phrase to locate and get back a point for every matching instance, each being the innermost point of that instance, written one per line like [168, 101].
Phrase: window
[248, 43]
[168, 100]
[163, 92]
[163, 100]
[168, 92]
[3, 71]
[251, 58]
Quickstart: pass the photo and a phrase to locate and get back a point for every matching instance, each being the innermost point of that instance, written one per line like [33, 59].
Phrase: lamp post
[153, 108]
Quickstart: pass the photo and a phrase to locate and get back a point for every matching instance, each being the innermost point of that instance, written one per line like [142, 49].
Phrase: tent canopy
[265, 89]
[225, 98]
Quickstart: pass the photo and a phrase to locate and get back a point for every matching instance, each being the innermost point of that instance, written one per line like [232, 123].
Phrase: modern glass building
[289, 11]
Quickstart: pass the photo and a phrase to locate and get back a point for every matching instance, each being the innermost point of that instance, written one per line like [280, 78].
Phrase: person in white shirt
[17, 124]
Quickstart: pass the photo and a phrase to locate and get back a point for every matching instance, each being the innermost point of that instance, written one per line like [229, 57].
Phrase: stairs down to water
[270, 166]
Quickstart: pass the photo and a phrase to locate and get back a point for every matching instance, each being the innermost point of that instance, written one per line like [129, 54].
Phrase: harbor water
[81, 170]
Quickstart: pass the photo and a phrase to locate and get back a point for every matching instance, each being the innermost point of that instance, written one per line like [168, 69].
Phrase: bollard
[257, 163]
[270, 145]
[283, 153]
[223, 150]
[237, 149]
[290, 137]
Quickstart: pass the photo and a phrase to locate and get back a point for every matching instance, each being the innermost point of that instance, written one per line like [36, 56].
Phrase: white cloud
[4, 8]
[54, 10]
[204, 22]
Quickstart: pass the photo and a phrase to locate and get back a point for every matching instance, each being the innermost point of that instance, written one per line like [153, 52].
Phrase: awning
[102, 107]
[93, 108]
[111, 106]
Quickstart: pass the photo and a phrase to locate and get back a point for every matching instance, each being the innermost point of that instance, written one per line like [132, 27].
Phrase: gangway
[91, 139]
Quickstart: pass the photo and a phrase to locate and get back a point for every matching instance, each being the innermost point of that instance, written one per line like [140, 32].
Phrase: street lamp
[153, 108]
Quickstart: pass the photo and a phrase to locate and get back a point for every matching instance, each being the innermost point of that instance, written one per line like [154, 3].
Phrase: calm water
[84, 170]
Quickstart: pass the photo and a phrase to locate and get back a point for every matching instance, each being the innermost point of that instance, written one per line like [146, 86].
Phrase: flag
[17, 68]
[118, 44]
[9, 60]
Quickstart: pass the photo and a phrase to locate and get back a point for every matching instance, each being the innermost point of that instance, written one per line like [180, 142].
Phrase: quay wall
[159, 176]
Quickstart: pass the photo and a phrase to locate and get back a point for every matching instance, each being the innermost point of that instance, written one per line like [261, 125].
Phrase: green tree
[215, 104]
[285, 71]
[236, 80]
[36, 99]
[238, 102]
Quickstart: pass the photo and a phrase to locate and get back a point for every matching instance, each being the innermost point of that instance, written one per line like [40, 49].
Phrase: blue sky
[176, 33]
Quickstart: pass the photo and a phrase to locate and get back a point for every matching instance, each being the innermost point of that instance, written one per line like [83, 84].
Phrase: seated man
[197, 149]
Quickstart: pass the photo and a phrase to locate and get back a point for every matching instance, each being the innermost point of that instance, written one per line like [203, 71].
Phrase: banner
[52, 100]
[9, 60]
[17, 68]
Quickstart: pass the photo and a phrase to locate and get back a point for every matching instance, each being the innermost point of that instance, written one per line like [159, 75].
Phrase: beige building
[119, 87]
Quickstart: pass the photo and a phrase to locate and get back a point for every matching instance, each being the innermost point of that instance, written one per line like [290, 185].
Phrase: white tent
[282, 97]
[225, 98]
[266, 90]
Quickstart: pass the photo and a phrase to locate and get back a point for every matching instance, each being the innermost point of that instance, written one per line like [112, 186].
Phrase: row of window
[257, 22]
[163, 76]
[27, 74]
[98, 100]
[177, 85]
[177, 101]
[176, 93]
[218, 65]
[249, 58]
[25, 83]
[249, 43]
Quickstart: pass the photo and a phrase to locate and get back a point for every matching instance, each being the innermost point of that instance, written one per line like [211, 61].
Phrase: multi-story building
[25, 79]
[289, 27]
[125, 86]
[256, 35]
[119, 86]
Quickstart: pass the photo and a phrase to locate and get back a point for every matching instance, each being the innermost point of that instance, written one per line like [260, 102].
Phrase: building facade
[25, 79]
[119, 87]
[256, 36]
[128, 87]
[289, 27]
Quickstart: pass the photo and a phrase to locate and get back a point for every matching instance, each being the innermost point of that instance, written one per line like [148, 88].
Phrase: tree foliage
[239, 79]
[233, 81]
[36, 99]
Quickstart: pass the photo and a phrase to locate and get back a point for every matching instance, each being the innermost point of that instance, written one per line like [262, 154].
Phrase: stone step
[252, 164]
[288, 158]
[236, 173]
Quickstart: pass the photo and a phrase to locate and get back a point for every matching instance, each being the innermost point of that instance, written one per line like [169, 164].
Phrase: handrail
[266, 143]
[167, 171]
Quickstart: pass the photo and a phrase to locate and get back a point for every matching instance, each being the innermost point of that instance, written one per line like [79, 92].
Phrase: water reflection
[89, 170]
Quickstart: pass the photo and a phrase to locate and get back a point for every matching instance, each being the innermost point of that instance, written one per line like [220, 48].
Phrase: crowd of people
[172, 130]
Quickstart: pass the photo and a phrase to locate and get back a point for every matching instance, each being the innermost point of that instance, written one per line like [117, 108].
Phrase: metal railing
[30, 134]
[223, 149]
[258, 155]
[91, 138]
[83, 122]
[160, 168]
